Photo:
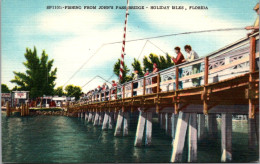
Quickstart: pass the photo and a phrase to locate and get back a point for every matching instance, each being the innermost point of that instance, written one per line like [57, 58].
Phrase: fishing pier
[229, 85]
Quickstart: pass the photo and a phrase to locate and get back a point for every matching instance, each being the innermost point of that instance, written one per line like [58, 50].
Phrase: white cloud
[71, 53]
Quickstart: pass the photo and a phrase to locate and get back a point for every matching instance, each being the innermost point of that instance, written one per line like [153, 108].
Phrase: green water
[59, 139]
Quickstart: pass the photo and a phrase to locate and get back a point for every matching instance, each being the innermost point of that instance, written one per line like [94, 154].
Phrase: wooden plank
[158, 82]
[177, 78]
[144, 86]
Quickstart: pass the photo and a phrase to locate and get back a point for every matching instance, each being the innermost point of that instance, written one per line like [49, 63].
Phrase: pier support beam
[111, 120]
[166, 123]
[226, 137]
[192, 138]
[201, 126]
[252, 137]
[148, 130]
[82, 115]
[180, 137]
[105, 121]
[96, 119]
[93, 117]
[212, 126]
[140, 129]
[90, 116]
[101, 117]
[174, 119]
[160, 119]
[163, 121]
[169, 124]
[86, 116]
[257, 128]
[119, 122]
[126, 123]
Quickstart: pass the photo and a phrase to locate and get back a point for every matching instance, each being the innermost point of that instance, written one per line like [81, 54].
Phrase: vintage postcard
[129, 81]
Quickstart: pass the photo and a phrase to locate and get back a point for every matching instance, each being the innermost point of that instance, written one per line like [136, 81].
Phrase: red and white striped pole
[123, 46]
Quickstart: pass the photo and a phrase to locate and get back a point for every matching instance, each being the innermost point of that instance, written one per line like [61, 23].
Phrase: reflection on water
[50, 139]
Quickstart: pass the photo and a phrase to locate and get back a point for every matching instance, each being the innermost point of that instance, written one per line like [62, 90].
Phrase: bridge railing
[230, 61]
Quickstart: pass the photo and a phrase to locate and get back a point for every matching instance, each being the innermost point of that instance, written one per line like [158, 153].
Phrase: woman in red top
[180, 58]
[154, 79]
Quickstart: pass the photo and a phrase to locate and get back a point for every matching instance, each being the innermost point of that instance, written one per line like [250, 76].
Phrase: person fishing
[178, 60]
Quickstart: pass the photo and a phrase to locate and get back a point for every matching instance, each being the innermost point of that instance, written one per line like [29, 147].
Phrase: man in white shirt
[192, 55]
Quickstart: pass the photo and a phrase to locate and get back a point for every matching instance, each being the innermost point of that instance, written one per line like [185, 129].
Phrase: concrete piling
[82, 115]
[101, 117]
[192, 138]
[90, 117]
[86, 116]
[148, 129]
[111, 120]
[226, 137]
[163, 121]
[126, 123]
[93, 117]
[169, 124]
[140, 129]
[96, 121]
[201, 126]
[166, 123]
[174, 118]
[105, 121]
[179, 140]
[212, 126]
[160, 119]
[119, 122]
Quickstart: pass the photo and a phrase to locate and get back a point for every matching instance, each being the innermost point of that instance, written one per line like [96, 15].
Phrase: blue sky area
[70, 37]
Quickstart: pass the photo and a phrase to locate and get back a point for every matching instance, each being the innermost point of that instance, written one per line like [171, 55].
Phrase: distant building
[4, 98]
[19, 97]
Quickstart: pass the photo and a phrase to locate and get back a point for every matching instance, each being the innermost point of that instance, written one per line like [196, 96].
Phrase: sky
[71, 37]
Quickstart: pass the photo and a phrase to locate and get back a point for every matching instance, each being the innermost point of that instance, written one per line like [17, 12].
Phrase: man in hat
[255, 27]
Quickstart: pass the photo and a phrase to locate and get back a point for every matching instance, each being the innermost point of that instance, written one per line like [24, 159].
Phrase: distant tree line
[39, 78]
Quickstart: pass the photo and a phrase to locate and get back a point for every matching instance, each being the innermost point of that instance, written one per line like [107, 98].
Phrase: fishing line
[154, 37]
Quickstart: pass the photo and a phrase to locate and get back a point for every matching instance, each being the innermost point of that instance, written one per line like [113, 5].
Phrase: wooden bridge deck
[242, 89]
